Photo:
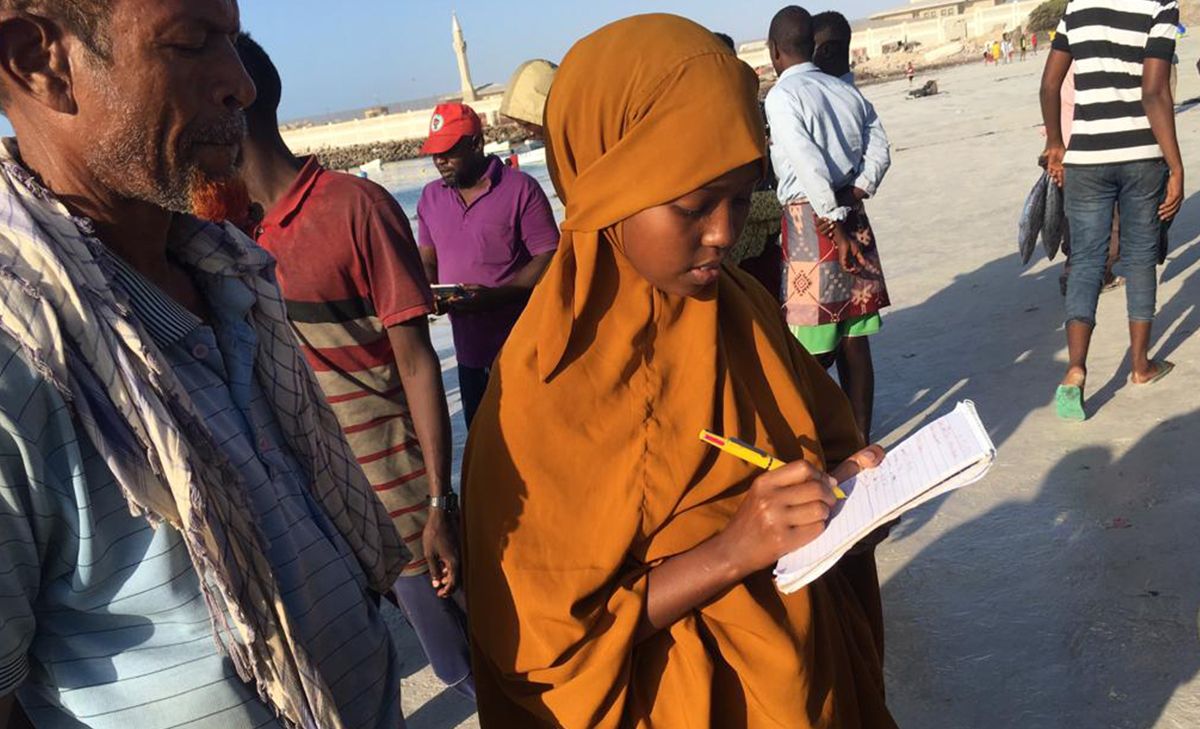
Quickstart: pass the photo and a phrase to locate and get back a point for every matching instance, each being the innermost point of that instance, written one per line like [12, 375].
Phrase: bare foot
[1154, 369]
[1076, 376]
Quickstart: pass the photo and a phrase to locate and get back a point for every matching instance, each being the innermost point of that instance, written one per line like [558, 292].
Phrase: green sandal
[1068, 403]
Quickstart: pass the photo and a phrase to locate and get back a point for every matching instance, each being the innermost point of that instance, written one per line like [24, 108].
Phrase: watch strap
[449, 501]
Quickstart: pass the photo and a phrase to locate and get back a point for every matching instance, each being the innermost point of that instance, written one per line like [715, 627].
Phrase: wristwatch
[447, 502]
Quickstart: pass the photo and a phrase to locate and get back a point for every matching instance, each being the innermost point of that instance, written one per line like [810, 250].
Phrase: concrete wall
[934, 32]
[755, 54]
[392, 127]
[933, 11]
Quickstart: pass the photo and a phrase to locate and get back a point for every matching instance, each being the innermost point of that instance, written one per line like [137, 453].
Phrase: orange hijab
[583, 467]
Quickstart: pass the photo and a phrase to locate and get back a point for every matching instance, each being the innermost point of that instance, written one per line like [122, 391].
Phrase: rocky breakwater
[344, 158]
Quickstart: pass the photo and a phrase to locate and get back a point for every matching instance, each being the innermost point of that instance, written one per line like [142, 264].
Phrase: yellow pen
[750, 454]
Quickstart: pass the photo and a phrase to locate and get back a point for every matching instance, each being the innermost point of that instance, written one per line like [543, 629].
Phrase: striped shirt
[1109, 40]
[102, 621]
[349, 269]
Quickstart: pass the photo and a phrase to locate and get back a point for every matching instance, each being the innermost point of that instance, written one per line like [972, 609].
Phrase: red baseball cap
[450, 123]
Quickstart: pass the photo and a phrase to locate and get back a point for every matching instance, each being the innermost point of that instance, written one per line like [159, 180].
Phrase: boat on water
[374, 167]
[499, 149]
[532, 157]
[529, 152]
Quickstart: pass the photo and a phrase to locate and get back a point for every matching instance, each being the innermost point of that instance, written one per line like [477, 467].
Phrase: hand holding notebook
[949, 453]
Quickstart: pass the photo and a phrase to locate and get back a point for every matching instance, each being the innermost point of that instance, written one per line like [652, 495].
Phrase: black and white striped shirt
[1108, 40]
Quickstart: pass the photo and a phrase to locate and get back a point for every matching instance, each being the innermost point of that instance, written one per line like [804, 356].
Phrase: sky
[334, 56]
[350, 54]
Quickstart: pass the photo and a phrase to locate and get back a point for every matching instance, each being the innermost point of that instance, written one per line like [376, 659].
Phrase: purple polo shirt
[486, 243]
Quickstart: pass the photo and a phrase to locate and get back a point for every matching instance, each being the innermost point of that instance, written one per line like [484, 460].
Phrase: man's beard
[129, 164]
[220, 200]
[467, 176]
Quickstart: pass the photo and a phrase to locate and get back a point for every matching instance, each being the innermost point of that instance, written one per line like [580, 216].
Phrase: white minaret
[464, 71]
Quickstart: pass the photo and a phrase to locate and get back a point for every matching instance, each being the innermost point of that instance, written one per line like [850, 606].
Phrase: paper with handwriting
[949, 453]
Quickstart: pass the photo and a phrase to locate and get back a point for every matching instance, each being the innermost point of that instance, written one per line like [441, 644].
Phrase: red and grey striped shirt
[349, 270]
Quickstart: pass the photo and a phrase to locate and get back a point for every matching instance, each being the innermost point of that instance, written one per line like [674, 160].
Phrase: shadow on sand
[995, 336]
[1086, 602]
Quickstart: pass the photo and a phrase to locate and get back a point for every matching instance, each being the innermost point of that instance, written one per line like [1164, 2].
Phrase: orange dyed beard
[221, 200]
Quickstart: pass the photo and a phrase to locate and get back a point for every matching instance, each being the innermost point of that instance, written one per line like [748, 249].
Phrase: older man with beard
[185, 537]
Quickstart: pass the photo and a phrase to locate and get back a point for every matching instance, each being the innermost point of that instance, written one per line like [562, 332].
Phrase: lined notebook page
[926, 462]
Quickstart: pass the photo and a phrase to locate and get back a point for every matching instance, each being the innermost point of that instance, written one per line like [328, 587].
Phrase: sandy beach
[1064, 590]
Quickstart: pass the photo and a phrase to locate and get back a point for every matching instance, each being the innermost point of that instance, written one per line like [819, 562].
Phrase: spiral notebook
[949, 453]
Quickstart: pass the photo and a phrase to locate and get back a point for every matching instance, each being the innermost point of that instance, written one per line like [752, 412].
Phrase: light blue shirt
[102, 621]
[824, 137]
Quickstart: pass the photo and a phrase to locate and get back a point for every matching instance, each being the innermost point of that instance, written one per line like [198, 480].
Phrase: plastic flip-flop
[1164, 369]
[1068, 403]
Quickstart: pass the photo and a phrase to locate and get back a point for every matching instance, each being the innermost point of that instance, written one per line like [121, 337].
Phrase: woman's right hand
[784, 510]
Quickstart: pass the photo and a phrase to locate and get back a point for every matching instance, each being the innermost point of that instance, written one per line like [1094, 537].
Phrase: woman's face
[678, 246]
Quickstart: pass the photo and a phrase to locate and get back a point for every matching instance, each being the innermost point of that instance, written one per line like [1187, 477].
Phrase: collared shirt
[102, 621]
[349, 269]
[1109, 40]
[824, 137]
[487, 242]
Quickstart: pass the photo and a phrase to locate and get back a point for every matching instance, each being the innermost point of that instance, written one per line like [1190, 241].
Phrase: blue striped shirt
[102, 622]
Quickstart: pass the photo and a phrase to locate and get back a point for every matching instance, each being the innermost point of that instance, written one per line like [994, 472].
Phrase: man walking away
[830, 153]
[488, 228]
[358, 301]
[1123, 150]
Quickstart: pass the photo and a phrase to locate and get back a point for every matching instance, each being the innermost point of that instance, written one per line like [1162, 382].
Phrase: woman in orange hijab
[618, 570]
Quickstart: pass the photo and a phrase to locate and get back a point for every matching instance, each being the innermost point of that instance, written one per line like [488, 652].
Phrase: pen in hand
[751, 455]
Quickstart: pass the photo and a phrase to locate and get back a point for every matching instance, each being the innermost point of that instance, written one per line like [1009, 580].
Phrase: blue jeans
[1090, 194]
[472, 384]
[441, 628]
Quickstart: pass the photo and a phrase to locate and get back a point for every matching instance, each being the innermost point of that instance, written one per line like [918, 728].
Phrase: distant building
[923, 24]
[926, 9]
[756, 54]
[932, 24]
